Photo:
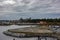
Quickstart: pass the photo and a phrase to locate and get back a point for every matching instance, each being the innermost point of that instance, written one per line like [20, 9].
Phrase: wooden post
[45, 38]
[39, 38]
[14, 39]
[58, 39]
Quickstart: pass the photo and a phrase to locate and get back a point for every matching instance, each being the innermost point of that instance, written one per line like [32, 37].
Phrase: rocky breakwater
[42, 31]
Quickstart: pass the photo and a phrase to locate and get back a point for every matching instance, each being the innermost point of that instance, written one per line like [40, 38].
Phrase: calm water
[4, 37]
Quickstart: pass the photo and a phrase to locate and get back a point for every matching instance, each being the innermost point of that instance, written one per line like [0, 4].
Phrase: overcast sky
[14, 9]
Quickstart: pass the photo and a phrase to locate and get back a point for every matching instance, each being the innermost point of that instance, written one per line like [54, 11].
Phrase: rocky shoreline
[30, 32]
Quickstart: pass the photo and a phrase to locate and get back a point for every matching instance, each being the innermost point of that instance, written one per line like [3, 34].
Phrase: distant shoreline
[30, 24]
[30, 21]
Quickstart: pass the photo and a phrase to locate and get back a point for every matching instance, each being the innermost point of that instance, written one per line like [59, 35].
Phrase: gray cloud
[27, 15]
[26, 4]
[29, 6]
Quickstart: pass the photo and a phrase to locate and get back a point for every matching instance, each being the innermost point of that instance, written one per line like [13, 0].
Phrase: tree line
[38, 20]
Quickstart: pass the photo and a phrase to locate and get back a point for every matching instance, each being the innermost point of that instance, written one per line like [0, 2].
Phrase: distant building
[43, 22]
